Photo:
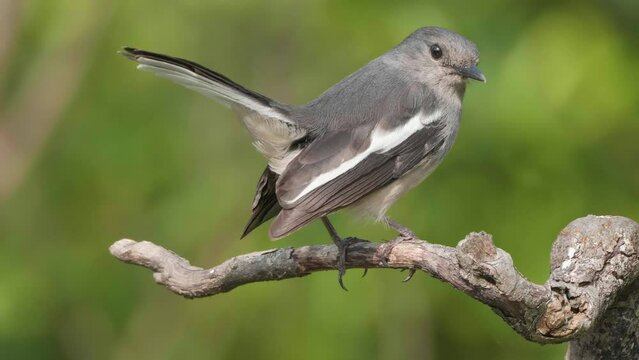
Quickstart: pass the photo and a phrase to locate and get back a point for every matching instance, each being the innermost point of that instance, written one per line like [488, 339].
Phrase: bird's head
[440, 56]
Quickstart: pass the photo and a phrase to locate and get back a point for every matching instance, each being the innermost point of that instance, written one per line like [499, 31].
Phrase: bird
[360, 145]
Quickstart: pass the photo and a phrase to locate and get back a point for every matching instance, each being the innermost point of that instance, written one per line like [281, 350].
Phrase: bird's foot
[403, 231]
[342, 248]
[404, 234]
[388, 247]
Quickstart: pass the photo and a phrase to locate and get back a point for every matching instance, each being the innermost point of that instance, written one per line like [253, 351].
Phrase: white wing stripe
[381, 141]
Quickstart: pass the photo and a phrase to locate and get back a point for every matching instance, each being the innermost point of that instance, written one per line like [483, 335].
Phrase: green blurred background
[92, 151]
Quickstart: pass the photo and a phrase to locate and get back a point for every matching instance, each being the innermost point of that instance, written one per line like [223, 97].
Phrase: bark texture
[591, 298]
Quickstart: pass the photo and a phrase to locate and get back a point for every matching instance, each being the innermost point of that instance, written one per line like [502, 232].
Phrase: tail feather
[267, 120]
[206, 81]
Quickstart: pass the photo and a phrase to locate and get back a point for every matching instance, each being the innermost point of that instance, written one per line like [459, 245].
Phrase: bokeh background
[92, 151]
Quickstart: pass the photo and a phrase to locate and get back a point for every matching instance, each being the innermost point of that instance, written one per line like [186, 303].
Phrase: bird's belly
[377, 203]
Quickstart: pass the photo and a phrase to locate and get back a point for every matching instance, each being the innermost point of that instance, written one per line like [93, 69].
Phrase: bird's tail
[205, 81]
[267, 120]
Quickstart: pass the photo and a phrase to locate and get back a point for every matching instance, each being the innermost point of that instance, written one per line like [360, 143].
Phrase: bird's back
[360, 99]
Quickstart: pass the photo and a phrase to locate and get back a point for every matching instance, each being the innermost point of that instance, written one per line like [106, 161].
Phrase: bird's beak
[471, 72]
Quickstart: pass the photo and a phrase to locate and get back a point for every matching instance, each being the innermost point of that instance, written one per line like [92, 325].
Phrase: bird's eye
[436, 52]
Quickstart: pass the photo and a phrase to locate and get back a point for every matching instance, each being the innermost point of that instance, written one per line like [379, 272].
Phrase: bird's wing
[344, 166]
[268, 121]
[265, 205]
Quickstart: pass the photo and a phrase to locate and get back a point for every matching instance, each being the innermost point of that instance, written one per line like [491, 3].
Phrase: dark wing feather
[374, 172]
[265, 204]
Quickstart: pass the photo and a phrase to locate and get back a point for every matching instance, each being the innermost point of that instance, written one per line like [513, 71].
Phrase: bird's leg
[403, 231]
[341, 244]
[404, 234]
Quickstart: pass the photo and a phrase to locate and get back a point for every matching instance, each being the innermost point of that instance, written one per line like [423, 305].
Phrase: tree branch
[593, 260]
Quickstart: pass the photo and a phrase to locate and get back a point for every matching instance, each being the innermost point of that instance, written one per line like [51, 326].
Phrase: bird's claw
[342, 247]
[411, 272]
[389, 246]
[341, 262]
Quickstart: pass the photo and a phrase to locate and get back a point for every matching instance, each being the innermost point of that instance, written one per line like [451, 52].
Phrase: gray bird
[360, 145]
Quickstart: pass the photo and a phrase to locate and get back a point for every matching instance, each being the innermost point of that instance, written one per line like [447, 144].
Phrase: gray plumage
[362, 143]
